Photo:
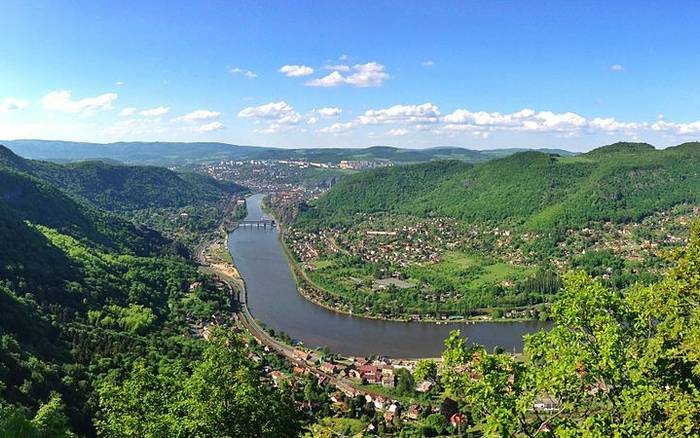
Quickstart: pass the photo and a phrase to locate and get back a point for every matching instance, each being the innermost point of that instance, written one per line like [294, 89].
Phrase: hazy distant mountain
[168, 154]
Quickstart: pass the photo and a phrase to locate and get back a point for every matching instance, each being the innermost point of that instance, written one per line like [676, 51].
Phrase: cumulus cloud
[128, 111]
[426, 113]
[337, 128]
[280, 112]
[371, 74]
[211, 127]
[155, 112]
[523, 120]
[242, 71]
[692, 128]
[12, 104]
[329, 111]
[201, 115]
[296, 70]
[617, 67]
[280, 115]
[62, 100]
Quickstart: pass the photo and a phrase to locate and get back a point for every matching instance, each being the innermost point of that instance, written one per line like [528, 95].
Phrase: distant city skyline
[479, 75]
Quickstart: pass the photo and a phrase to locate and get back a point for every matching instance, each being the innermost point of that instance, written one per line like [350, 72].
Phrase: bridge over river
[259, 223]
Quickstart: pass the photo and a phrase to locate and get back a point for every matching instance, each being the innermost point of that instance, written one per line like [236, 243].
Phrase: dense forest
[620, 182]
[123, 188]
[90, 301]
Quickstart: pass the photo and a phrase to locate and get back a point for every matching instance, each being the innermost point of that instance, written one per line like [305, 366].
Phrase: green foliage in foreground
[86, 298]
[614, 364]
[218, 395]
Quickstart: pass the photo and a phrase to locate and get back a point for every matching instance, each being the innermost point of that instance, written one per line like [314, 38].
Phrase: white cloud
[428, 63]
[523, 120]
[337, 128]
[371, 74]
[211, 127]
[426, 113]
[296, 70]
[617, 67]
[128, 111]
[330, 80]
[201, 115]
[527, 120]
[155, 112]
[329, 111]
[612, 125]
[61, 100]
[692, 128]
[12, 104]
[311, 121]
[281, 112]
[241, 71]
[119, 83]
[280, 115]
[397, 132]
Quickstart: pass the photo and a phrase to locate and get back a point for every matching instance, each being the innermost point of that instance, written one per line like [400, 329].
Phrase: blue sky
[318, 74]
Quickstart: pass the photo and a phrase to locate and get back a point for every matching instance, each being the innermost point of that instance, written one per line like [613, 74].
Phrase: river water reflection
[274, 300]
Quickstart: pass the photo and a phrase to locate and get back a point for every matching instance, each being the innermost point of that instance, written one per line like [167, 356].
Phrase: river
[273, 299]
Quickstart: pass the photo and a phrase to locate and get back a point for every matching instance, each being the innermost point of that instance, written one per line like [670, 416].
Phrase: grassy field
[457, 283]
[464, 272]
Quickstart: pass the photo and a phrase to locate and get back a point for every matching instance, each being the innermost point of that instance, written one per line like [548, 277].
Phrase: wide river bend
[274, 300]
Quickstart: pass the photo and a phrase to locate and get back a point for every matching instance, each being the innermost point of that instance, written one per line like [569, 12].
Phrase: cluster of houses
[418, 243]
[635, 241]
[348, 375]
[261, 175]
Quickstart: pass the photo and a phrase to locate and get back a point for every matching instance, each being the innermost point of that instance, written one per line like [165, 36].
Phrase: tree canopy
[623, 363]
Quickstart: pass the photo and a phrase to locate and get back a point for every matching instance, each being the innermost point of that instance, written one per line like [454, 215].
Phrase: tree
[435, 423]
[51, 421]
[405, 384]
[223, 396]
[426, 369]
[614, 363]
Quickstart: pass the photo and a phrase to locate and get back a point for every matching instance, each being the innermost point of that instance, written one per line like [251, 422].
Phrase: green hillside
[122, 188]
[620, 182]
[88, 300]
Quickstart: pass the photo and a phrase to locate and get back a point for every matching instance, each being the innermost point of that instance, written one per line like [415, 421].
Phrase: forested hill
[619, 182]
[85, 298]
[120, 188]
[27, 198]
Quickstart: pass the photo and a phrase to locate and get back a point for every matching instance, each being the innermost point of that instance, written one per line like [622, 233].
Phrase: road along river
[273, 299]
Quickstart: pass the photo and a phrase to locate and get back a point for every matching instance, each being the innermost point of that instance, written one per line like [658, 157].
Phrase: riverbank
[274, 299]
[298, 271]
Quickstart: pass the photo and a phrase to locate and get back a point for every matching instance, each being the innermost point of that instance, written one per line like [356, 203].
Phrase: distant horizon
[658, 147]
